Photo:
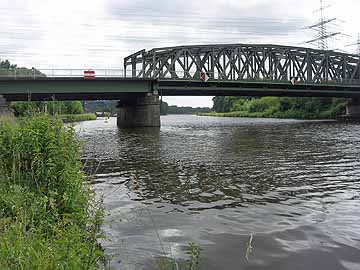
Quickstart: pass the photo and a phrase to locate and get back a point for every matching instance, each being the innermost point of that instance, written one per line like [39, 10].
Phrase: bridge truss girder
[234, 62]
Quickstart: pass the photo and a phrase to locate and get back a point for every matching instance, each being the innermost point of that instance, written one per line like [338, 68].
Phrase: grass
[49, 218]
[70, 118]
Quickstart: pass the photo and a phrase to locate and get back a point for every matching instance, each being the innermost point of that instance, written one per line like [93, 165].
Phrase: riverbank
[287, 115]
[49, 217]
[72, 118]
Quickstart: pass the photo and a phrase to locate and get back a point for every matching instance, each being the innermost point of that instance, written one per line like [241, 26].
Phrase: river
[253, 193]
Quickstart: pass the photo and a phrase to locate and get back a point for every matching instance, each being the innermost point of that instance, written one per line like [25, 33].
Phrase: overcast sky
[100, 33]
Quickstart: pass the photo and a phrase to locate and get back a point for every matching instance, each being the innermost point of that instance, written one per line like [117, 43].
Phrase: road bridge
[227, 69]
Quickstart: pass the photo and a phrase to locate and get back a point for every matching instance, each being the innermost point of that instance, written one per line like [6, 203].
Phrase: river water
[253, 193]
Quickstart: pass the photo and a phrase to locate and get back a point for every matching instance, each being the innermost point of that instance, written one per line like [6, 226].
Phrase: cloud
[100, 33]
[217, 21]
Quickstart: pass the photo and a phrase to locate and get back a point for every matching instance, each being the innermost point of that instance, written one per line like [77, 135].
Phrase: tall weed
[49, 218]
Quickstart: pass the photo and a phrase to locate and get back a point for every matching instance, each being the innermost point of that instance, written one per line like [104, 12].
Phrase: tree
[164, 107]
[6, 65]
[73, 107]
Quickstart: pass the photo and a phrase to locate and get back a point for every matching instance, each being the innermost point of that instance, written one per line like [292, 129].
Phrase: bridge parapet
[22, 73]
[233, 62]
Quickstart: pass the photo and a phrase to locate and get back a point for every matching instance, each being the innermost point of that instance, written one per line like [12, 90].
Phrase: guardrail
[40, 73]
[22, 73]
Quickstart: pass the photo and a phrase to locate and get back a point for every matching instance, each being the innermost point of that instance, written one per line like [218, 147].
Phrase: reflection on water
[294, 185]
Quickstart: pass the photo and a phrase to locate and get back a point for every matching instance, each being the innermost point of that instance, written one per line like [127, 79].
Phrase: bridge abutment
[5, 109]
[353, 109]
[141, 110]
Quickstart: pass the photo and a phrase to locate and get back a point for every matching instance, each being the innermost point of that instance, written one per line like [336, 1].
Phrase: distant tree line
[173, 109]
[94, 106]
[111, 107]
[281, 107]
[6, 65]
[6, 68]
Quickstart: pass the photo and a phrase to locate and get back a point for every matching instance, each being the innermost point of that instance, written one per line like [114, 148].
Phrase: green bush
[71, 118]
[49, 219]
[279, 107]
[29, 108]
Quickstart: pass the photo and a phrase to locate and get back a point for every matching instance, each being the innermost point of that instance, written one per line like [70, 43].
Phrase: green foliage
[173, 109]
[73, 107]
[223, 104]
[49, 219]
[8, 69]
[194, 252]
[164, 108]
[94, 106]
[71, 118]
[166, 263]
[279, 107]
[26, 108]
[6, 65]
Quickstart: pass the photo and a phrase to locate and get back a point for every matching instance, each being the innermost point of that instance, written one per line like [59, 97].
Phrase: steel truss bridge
[231, 69]
[246, 62]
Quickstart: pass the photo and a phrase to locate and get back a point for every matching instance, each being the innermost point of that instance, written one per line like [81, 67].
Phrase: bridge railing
[22, 73]
[103, 73]
[53, 73]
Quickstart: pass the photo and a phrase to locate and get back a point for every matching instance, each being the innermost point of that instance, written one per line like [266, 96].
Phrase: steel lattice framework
[234, 62]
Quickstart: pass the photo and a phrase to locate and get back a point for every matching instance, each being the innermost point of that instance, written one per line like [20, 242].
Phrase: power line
[314, 26]
[356, 44]
[323, 35]
[324, 38]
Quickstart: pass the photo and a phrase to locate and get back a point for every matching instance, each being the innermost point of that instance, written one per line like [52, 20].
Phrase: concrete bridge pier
[353, 109]
[5, 109]
[141, 110]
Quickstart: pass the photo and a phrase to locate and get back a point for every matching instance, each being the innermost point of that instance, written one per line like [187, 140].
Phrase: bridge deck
[253, 88]
[73, 88]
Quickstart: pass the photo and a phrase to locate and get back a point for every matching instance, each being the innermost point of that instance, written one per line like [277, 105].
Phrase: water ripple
[294, 184]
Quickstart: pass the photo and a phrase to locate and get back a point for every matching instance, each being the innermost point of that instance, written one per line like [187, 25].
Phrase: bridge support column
[139, 111]
[5, 109]
[353, 109]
